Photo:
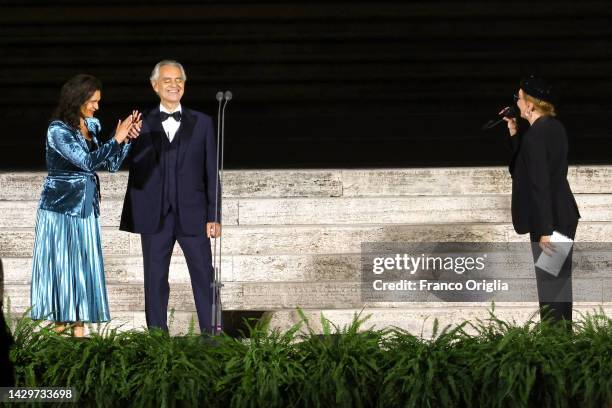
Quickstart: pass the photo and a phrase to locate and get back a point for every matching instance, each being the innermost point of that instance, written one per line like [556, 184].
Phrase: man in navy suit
[173, 195]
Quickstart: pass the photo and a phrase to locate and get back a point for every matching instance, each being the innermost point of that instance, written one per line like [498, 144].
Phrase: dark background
[317, 84]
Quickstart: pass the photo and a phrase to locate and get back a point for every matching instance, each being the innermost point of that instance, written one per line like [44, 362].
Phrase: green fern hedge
[488, 363]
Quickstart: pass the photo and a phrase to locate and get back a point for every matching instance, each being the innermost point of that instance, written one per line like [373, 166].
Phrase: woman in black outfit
[6, 341]
[542, 201]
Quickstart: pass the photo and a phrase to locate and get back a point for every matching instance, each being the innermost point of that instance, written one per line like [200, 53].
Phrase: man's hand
[213, 229]
[136, 125]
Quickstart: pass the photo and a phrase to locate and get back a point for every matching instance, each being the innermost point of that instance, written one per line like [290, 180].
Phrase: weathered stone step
[292, 237]
[418, 319]
[399, 210]
[313, 295]
[317, 239]
[242, 183]
[318, 268]
[20, 242]
[460, 181]
[178, 322]
[280, 239]
[336, 183]
[235, 296]
[22, 214]
[118, 270]
[356, 210]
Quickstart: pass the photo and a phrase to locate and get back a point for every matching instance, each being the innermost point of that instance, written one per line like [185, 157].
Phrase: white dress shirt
[170, 125]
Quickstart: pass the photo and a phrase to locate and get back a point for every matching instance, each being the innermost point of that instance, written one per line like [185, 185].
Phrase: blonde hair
[545, 108]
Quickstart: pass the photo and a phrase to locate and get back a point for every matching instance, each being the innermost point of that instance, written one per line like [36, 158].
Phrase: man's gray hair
[155, 72]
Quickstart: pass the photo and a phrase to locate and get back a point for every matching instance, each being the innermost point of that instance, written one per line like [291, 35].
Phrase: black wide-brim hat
[538, 88]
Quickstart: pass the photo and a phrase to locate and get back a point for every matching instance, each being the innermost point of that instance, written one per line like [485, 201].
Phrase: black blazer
[542, 200]
[196, 176]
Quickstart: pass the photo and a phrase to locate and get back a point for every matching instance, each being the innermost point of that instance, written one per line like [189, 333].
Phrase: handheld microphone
[509, 112]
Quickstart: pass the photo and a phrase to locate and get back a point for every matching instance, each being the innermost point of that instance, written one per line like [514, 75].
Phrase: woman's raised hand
[512, 126]
[125, 126]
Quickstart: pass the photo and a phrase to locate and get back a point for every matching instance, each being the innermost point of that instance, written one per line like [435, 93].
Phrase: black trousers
[555, 293]
[157, 251]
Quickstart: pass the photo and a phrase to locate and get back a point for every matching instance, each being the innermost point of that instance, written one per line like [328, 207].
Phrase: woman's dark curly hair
[75, 92]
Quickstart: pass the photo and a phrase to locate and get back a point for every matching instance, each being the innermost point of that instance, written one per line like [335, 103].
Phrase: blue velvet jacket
[71, 187]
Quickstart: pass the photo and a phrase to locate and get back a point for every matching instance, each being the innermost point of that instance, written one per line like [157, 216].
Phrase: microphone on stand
[222, 98]
[227, 96]
[509, 112]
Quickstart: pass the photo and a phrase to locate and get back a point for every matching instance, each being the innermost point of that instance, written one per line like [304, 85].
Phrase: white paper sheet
[553, 263]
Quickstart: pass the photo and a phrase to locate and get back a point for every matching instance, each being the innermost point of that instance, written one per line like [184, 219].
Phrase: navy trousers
[157, 251]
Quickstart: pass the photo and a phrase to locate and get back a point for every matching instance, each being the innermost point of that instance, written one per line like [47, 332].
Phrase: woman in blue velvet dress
[68, 284]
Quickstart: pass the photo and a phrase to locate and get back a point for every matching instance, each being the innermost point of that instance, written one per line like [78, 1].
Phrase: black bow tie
[175, 115]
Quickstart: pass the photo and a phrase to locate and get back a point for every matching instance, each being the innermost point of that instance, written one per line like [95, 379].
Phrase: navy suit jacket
[196, 176]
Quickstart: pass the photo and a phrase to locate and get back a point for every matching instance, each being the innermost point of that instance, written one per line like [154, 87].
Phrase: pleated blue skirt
[68, 270]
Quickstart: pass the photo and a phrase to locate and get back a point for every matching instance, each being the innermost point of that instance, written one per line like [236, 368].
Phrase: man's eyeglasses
[516, 98]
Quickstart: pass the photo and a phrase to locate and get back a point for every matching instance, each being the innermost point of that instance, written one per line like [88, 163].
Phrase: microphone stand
[217, 284]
